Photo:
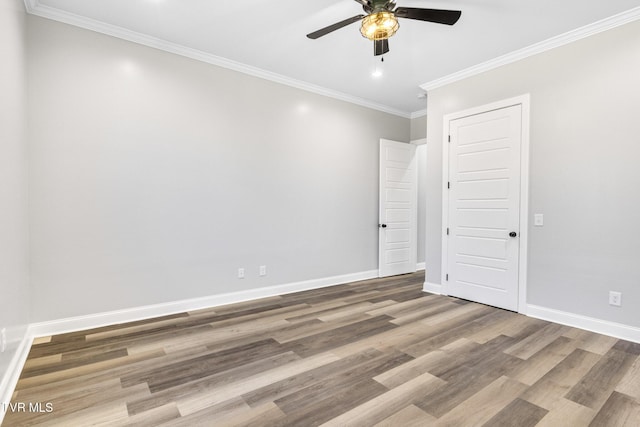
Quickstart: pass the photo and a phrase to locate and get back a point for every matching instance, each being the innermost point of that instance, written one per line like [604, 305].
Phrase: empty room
[304, 213]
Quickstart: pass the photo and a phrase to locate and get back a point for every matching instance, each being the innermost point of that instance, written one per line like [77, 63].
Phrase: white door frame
[524, 101]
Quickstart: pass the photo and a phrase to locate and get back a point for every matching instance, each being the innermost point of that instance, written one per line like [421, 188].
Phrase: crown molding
[418, 114]
[552, 43]
[30, 5]
[34, 7]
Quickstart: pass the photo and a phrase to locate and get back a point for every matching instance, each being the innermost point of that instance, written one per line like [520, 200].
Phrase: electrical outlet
[538, 220]
[263, 270]
[615, 298]
[241, 273]
[3, 340]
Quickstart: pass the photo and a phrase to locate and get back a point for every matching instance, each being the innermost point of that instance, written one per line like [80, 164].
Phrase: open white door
[398, 209]
[484, 207]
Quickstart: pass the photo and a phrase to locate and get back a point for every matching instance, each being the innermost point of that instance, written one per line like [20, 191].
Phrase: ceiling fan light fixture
[379, 25]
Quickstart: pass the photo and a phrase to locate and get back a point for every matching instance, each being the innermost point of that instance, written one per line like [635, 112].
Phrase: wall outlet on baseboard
[615, 298]
[263, 270]
[241, 273]
[3, 340]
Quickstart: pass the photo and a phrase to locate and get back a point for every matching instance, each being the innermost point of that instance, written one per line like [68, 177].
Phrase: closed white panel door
[398, 209]
[484, 200]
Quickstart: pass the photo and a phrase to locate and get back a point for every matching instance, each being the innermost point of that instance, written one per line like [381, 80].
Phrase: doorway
[397, 227]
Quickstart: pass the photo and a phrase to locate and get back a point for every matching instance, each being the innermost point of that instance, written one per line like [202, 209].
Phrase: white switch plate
[615, 298]
[263, 270]
[538, 220]
[241, 273]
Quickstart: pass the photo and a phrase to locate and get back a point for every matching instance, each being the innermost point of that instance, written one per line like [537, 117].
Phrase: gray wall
[14, 286]
[584, 170]
[155, 177]
[418, 128]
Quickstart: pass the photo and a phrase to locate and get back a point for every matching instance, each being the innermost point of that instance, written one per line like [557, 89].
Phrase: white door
[398, 209]
[484, 207]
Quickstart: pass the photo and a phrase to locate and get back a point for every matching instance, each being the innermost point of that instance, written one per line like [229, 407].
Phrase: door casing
[524, 101]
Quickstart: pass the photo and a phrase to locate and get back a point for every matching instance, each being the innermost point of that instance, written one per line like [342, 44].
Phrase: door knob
[513, 234]
[382, 225]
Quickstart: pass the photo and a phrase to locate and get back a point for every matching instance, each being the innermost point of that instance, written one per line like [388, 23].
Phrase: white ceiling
[270, 36]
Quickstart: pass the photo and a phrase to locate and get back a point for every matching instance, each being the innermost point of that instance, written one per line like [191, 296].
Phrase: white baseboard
[433, 288]
[10, 379]
[420, 266]
[97, 320]
[617, 330]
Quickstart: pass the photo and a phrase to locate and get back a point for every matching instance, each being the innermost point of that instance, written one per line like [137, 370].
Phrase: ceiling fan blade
[380, 47]
[440, 16]
[326, 30]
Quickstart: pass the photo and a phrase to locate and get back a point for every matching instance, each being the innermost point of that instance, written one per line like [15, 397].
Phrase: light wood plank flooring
[372, 353]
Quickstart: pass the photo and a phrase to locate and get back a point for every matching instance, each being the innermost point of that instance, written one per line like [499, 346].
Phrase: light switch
[538, 220]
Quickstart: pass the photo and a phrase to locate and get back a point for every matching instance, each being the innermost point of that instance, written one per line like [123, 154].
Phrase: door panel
[482, 161]
[479, 247]
[480, 190]
[398, 209]
[484, 200]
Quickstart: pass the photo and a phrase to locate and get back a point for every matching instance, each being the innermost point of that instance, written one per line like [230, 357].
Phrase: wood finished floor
[372, 353]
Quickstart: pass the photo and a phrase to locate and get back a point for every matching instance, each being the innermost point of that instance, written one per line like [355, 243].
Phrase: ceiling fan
[381, 21]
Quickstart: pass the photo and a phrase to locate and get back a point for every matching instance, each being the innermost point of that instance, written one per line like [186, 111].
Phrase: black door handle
[382, 225]
[513, 234]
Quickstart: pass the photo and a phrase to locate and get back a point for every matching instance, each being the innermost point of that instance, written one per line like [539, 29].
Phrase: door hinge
[447, 278]
[449, 184]
[449, 138]
[447, 231]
